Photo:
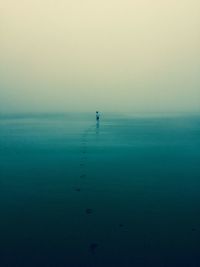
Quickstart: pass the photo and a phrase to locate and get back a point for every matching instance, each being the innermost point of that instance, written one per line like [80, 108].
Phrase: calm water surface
[74, 193]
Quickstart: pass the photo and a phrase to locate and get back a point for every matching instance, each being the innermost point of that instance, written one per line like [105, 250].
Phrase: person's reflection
[97, 128]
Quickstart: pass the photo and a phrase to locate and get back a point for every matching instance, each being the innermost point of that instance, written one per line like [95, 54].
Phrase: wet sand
[124, 192]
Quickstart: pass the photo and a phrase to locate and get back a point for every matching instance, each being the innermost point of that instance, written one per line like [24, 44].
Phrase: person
[97, 116]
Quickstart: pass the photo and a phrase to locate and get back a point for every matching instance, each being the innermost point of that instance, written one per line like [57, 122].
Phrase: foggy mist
[132, 56]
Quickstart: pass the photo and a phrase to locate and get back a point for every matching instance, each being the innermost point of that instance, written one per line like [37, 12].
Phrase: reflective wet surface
[121, 192]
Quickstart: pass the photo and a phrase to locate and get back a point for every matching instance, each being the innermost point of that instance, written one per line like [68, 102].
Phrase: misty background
[111, 55]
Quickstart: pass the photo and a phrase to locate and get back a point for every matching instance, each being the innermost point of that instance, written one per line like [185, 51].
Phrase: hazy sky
[111, 55]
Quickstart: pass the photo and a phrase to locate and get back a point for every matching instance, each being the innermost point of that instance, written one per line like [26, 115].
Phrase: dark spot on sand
[83, 175]
[77, 189]
[93, 247]
[194, 229]
[89, 211]
[121, 225]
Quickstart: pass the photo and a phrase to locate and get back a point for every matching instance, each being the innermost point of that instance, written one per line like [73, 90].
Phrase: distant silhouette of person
[97, 122]
[97, 116]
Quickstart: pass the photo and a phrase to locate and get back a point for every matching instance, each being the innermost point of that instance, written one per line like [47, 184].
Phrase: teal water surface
[124, 192]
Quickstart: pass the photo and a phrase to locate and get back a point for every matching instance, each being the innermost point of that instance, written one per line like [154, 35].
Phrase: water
[74, 193]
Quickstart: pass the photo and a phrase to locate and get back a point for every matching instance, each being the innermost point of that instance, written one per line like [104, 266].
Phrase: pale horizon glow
[109, 55]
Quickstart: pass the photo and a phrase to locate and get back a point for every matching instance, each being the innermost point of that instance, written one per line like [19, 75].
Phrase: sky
[109, 55]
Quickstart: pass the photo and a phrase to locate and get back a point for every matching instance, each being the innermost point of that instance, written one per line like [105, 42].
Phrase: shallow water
[74, 193]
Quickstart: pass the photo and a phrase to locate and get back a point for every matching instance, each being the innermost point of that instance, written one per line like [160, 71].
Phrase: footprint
[89, 211]
[93, 247]
[77, 189]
